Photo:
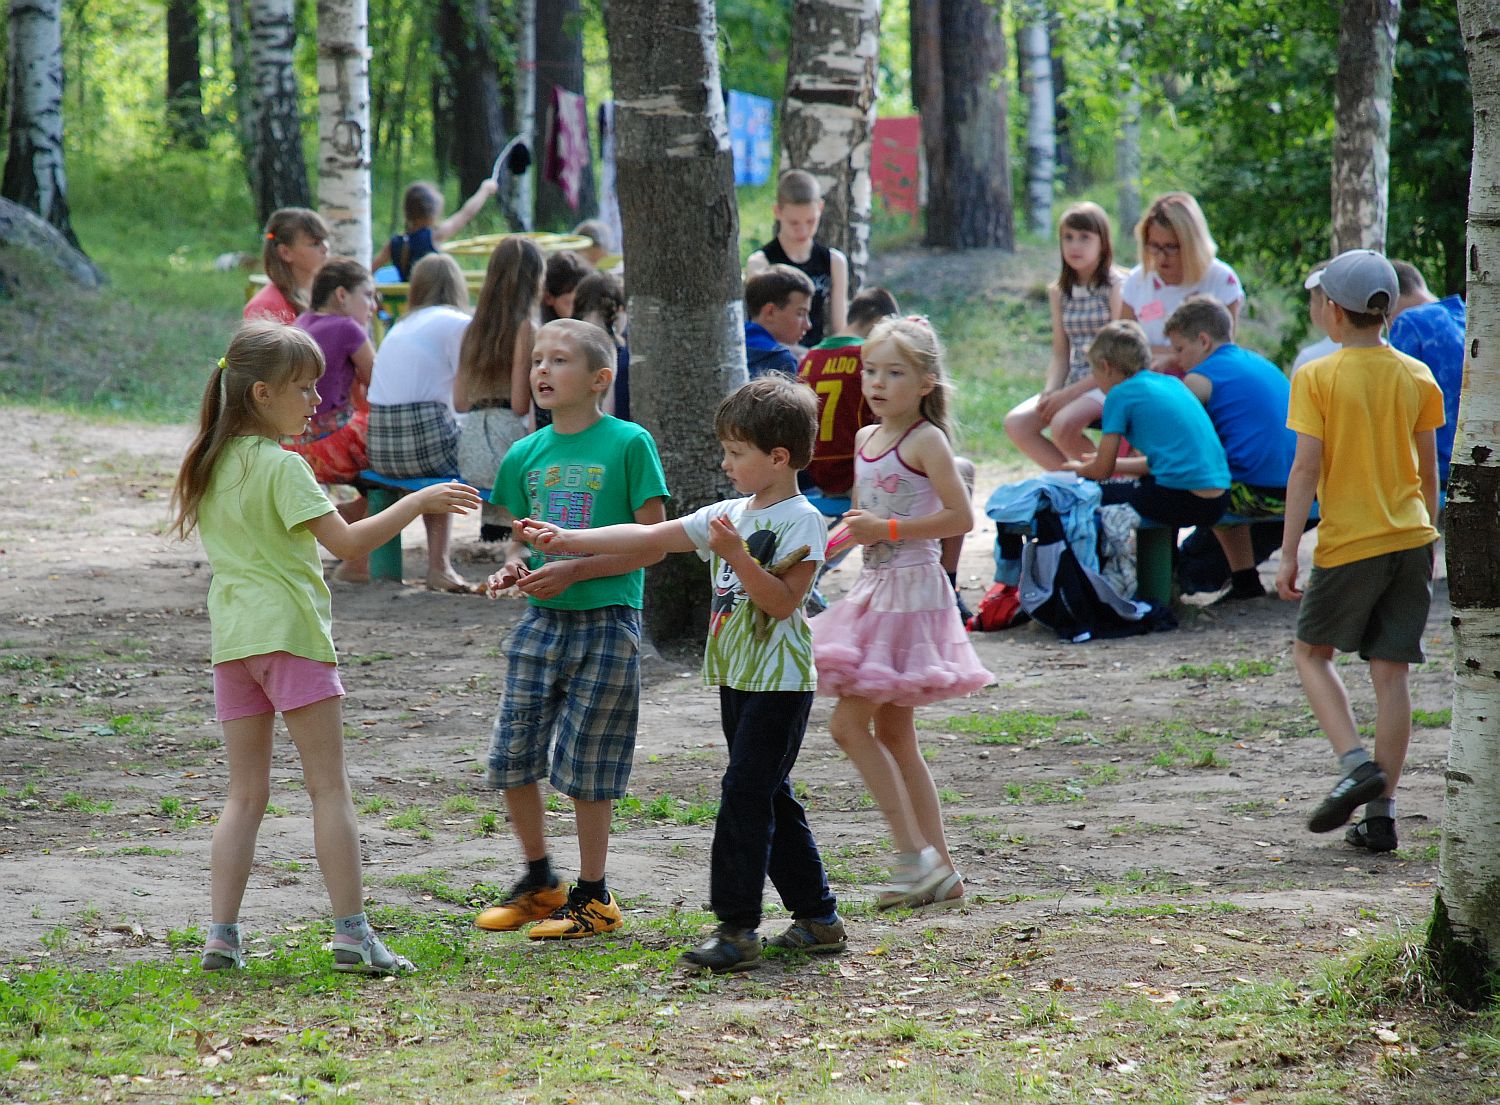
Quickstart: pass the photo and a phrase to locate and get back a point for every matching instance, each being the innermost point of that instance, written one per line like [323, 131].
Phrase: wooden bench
[383, 491]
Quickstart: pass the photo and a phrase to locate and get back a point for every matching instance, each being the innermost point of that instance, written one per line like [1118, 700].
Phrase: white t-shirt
[746, 649]
[1317, 349]
[1153, 301]
[418, 359]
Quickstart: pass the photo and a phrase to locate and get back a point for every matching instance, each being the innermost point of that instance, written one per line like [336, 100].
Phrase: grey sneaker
[813, 937]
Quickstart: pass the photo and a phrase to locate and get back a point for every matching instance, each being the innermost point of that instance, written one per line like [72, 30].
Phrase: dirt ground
[1113, 773]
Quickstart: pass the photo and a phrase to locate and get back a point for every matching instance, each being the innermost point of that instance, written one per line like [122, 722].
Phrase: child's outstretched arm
[347, 540]
[632, 537]
[460, 218]
[778, 596]
[1301, 487]
[556, 576]
[838, 293]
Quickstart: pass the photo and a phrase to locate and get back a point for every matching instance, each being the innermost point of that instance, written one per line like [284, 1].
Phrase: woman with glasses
[1178, 259]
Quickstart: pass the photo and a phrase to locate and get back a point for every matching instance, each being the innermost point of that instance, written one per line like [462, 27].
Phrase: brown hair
[436, 280]
[261, 351]
[917, 345]
[1409, 279]
[797, 187]
[565, 271]
[775, 287]
[598, 232]
[1088, 217]
[422, 203]
[336, 273]
[512, 288]
[1179, 213]
[1365, 320]
[1122, 343]
[773, 411]
[600, 293]
[870, 306]
[283, 228]
[598, 348]
[1201, 314]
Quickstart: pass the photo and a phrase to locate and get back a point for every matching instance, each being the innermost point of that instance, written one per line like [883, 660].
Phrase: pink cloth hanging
[567, 144]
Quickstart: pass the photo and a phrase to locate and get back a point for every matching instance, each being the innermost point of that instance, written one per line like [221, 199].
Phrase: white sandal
[369, 957]
[917, 884]
[225, 957]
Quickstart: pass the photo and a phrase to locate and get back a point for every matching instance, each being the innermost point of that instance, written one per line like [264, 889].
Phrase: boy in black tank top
[798, 209]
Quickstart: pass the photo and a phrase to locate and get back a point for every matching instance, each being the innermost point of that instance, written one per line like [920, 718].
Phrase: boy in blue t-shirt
[1182, 476]
[764, 550]
[775, 319]
[1246, 396]
[572, 683]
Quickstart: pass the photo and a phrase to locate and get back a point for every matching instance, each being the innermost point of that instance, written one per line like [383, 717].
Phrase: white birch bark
[1362, 122]
[244, 102]
[344, 126]
[828, 115]
[1041, 134]
[1128, 154]
[523, 203]
[280, 173]
[1469, 863]
[35, 176]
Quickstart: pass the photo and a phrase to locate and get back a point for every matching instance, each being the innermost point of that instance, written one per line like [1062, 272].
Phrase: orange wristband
[891, 525]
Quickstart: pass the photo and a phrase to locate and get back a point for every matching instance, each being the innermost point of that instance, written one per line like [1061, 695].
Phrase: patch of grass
[459, 803]
[79, 803]
[1041, 792]
[146, 850]
[1432, 719]
[1003, 726]
[411, 818]
[487, 823]
[1235, 670]
[1143, 828]
[665, 807]
[376, 803]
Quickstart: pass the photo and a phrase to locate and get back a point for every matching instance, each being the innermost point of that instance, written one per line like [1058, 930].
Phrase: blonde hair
[598, 348]
[260, 352]
[436, 280]
[917, 345]
[512, 289]
[1123, 345]
[1179, 213]
[796, 188]
[283, 228]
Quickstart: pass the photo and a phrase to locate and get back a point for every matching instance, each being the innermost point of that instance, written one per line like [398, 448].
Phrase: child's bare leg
[1070, 427]
[1024, 428]
[247, 745]
[318, 732]
[526, 810]
[1235, 541]
[357, 568]
[851, 729]
[896, 730]
[593, 821]
[1392, 719]
[440, 573]
[1327, 696]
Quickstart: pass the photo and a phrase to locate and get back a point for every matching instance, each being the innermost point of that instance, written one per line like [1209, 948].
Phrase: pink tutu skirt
[896, 639]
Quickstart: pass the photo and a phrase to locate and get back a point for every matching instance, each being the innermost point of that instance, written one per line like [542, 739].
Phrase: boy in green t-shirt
[572, 681]
[764, 551]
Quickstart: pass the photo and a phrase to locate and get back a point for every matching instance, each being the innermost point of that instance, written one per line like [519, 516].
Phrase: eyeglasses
[1171, 250]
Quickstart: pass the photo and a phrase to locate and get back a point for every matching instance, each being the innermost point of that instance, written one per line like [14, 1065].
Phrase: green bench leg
[1154, 549]
[385, 562]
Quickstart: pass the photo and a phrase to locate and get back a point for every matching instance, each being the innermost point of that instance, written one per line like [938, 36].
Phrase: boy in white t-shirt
[764, 551]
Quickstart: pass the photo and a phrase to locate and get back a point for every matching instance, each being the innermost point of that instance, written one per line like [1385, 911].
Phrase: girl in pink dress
[895, 641]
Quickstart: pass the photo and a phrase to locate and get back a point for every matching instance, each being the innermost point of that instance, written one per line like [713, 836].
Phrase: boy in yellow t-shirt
[1365, 419]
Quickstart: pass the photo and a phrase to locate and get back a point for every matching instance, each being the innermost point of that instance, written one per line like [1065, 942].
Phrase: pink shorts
[275, 681]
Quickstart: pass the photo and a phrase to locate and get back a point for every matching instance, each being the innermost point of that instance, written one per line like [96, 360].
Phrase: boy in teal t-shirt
[764, 550]
[572, 686]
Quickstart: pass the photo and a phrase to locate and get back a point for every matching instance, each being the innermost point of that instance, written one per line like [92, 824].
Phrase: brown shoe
[525, 905]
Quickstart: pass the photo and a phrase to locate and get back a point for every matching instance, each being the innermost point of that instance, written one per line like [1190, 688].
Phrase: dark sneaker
[965, 615]
[1378, 834]
[579, 917]
[1238, 593]
[728, 949]
[811, 936]
[1352, 791]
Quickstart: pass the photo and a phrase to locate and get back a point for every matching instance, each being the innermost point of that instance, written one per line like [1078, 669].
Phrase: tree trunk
[35, 175]
[280, 176]
[687, 344]
[828, 115]
[969, 197]
[1128, 155]
[1362, 122]
[184, 75]
[1041, 139]
[244, 102]
[344, 126]
[1064, 170]
[926, 30]
[559, 64]
[476, 126]
[521, 200]
[1465, 934]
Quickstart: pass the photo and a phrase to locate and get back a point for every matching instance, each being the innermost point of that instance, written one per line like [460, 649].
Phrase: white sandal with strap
[223, 957]
[369, 957]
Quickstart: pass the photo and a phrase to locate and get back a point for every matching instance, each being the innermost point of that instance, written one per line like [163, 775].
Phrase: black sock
[595, 890]
[1246, 582]
[953, 579]
[490, 532]
[539, 872]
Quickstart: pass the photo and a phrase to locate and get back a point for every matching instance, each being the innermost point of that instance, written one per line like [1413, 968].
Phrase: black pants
[1168, 506]
[762, 828]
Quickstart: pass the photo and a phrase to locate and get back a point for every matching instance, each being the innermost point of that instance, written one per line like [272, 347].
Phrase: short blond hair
[1179, 213]
[1122, 345]
[598, 348]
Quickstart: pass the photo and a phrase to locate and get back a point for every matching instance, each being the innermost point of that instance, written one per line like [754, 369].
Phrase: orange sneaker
[525, 904]
[580, 916]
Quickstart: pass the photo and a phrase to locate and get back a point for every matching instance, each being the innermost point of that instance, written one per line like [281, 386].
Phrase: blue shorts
[572, 696]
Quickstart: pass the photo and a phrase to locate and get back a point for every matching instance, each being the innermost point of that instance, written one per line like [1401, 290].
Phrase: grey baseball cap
[1355, 277]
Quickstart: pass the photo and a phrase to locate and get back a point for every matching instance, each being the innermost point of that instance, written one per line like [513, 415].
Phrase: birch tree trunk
[559, 64]
[1362, 122]
[681, 229]
[35, 176]
[828, 116]
[1128, 156]
[280, 174]
[1041, 136]
[524, 190]
[344, 126]
[184, 75]
[1465, 933]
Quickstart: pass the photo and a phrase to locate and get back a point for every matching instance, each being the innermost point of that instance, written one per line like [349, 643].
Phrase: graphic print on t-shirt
[728, 591]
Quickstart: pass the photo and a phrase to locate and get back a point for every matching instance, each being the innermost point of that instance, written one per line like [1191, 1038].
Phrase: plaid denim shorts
[572, 696]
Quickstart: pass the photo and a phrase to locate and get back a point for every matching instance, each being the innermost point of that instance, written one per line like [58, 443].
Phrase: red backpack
[999, 609]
